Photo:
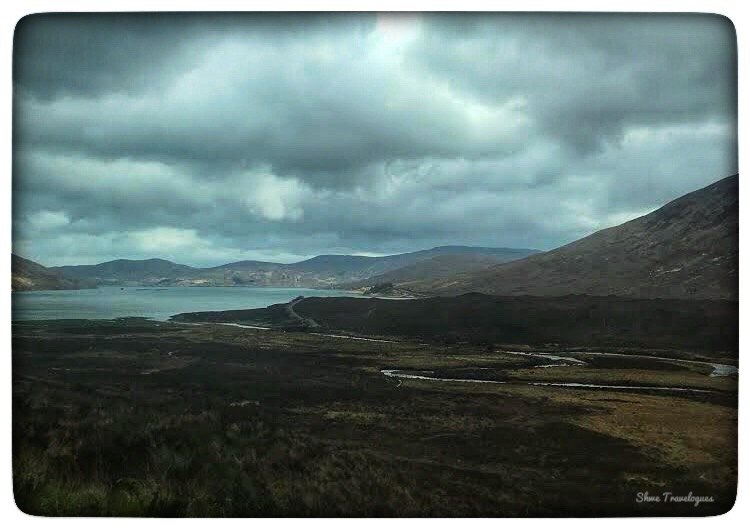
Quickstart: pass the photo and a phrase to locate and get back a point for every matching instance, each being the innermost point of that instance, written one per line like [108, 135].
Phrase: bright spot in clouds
[398, 28]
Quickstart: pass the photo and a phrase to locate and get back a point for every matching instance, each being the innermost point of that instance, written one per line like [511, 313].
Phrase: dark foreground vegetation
[576, 320]
[137, 418]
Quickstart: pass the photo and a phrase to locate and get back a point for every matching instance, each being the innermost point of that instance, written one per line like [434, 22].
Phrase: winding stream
[557, 359]
[395, 373]
[719, 370]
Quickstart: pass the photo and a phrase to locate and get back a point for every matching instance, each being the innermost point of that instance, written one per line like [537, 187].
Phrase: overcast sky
[213, 138]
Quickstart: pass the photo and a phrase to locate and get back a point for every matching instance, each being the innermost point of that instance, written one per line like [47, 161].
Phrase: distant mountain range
[432, 269]
[687, 249]
[323, 271]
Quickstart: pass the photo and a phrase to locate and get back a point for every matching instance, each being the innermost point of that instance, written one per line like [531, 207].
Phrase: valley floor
[139, 418]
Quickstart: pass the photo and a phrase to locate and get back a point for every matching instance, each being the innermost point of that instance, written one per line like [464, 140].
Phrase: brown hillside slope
[686, 249]
[435, 268]
[28, 275]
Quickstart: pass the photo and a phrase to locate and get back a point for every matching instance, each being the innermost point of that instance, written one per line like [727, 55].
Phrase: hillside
[28, 275]
[434, 268]
[323, 271]
[706, 325]
[127, 270]
[687, 249]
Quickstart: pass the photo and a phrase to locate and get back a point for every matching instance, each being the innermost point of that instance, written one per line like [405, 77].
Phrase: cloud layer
[210, 138]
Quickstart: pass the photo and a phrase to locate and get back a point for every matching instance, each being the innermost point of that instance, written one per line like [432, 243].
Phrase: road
[309, 322]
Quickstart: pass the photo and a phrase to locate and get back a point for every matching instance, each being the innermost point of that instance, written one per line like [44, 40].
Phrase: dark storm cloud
[316, 100]
[210, 138]
[587, 77]
[89, 55]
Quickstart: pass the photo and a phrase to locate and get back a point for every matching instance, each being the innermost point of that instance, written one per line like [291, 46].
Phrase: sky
[212, 138]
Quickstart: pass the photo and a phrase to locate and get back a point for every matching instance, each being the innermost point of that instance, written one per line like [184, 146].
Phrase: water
[396, 373]
[157, 303]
